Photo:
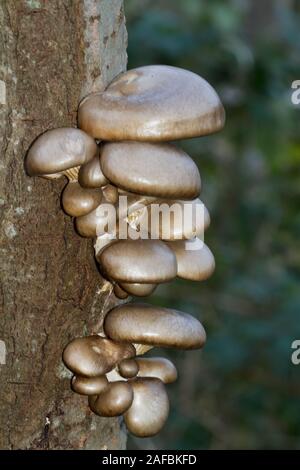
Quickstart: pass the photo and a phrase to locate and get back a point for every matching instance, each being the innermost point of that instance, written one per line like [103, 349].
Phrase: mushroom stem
[142, 348]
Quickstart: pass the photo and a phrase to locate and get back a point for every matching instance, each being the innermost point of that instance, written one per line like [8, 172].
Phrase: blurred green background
[241, 391]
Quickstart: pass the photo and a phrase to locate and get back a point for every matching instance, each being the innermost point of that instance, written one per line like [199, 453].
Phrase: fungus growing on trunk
[135, 116]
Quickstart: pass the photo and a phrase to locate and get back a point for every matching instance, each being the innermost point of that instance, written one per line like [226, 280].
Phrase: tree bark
[52, 54]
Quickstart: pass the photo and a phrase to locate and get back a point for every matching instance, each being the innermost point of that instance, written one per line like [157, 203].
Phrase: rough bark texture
[52, 54]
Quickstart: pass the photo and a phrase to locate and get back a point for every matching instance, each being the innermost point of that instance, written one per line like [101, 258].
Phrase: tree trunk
[52, 54]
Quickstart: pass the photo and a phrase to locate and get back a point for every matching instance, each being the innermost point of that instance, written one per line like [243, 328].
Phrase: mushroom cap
[89, 225]
[138, 261]
[119, 292]
[59, 149]
[139, 290]
[89, 385]
[78, 201]
[90, 174]
[175, 220]
[113, 401]
[195, 264]
[94, 355]
[159, 170]
[128, 368]
[150, 407]
[153, 103]
[156, 326]
[158, 367]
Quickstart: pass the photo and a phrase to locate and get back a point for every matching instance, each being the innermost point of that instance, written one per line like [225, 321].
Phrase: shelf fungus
[136, 195]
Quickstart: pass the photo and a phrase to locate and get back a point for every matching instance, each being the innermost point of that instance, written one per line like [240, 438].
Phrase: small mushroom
[78, 201]
[90, 174]
[152, 103]
[95, 223]
[58, 151]
[156, 326]
[138, 261]
[119, 292]
[113, 401]
[94, 355]
[89, 385]
[159, 367]
[139, 290]
[128, 368]
[194, 259]
[150, 407]
[158, 170]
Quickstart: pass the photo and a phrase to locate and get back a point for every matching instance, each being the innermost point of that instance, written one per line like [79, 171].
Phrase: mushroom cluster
[121, 150]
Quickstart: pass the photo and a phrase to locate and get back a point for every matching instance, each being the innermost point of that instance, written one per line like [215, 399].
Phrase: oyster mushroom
[150, 407]
[94, 355]
[90, 174]
[77, 201]
[60, 152]
[128, 368]
[194, 259]
[152, 103]
[157, 170]
[119, 292]
[158, 367]
[89, 385]
[138, 261]
[113, 401]
[154, 326]
[137, 289]
[96, 223]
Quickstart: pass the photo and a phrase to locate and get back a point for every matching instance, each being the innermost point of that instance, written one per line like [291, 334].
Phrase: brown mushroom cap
[153, 103]
[77, 201]
[193, 264]
[113, 401]
[138, 261]
[89, 225]
[59, 149]
[94, 355]
[150, 407]
[156, 326]
[139, 290]
[128, 368]
[89, 385]
[90, 174]
[159, 367]
[160, 170]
